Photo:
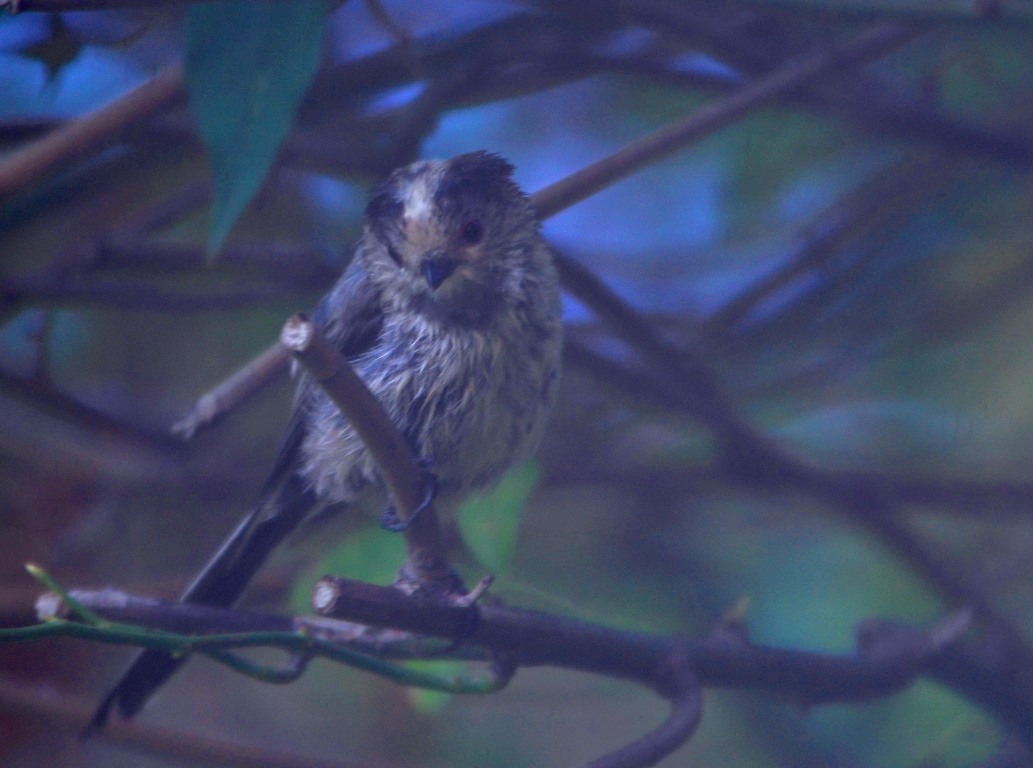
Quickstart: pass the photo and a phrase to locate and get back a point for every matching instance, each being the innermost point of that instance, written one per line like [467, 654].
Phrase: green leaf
[426, 701]
[489, 521]
[247, 67]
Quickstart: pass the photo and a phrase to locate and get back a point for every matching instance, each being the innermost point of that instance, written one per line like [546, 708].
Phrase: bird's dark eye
[472, 232]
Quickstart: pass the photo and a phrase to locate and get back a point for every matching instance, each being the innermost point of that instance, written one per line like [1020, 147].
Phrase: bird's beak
[437, 266]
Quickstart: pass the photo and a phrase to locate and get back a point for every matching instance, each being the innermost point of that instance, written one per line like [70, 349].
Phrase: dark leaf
[247, 67]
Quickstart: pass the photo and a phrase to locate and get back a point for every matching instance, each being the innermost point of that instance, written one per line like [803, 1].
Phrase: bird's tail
[221, 583]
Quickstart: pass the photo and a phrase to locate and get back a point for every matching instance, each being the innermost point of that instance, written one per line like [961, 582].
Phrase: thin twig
[231, 392]
[867, 46]
[24, 167]
[195, 619]
[406, 482]
[894, 192]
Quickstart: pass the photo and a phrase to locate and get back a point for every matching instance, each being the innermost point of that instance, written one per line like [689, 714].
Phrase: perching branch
[407, 485]
[219, 634]
[890, 657]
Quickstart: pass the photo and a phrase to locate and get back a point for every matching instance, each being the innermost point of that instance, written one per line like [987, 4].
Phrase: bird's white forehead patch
[418, 198]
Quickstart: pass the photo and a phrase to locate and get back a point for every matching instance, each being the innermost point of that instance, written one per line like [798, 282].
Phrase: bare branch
[233, 391]
[576, 187]
[389, 607]
[891, 193]
[532, 638]
[890, 655]
[866, 46]
[43, 157]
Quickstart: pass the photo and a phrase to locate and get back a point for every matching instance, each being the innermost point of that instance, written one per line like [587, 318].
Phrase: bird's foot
[389, 519]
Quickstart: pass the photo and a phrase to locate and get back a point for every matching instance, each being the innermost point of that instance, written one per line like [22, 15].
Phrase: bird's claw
[389, 519]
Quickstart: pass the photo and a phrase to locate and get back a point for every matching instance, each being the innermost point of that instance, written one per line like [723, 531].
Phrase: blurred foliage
[853, 264]
[247, 67]
[489, 521]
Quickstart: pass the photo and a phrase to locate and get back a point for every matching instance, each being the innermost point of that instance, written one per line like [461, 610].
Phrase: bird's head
[447, 237]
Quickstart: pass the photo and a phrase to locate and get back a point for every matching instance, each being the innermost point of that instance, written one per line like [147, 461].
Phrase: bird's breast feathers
[468, 402]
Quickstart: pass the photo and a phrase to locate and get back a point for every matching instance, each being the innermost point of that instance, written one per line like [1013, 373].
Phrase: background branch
[88, 134]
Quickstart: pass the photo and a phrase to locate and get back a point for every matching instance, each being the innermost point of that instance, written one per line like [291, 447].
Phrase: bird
[450, 312]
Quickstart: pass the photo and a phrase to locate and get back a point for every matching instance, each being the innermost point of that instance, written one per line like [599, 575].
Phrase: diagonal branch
[407, 485]
[868, 45]
[49, 154]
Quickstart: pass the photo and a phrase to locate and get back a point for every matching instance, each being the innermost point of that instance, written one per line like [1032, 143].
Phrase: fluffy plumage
[450, 312]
